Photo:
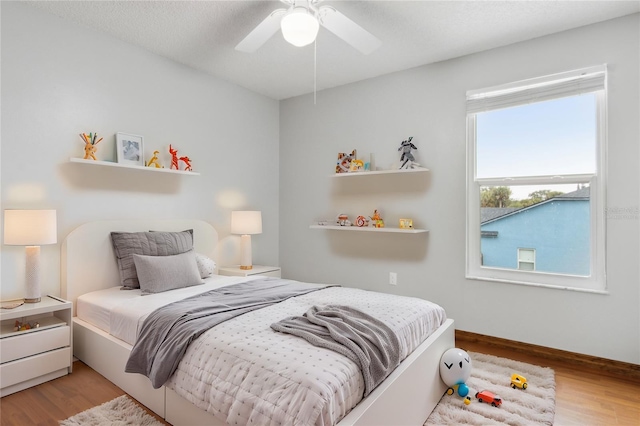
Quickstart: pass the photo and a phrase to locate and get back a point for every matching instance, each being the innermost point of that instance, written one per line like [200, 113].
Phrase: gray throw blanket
[168, 331]
[365, 340]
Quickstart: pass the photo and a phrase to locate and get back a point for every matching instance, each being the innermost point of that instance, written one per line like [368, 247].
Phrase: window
[526, 259]
[535, 153]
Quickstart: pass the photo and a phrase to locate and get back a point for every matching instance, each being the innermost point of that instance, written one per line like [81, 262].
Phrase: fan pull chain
[315, 69]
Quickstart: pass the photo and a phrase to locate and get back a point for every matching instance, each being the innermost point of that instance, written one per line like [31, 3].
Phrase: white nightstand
[31, 357]
[267, 271]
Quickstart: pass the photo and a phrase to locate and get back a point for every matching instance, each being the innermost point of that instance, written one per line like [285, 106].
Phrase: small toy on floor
[518, 381]
[489, 398]
[455, 370]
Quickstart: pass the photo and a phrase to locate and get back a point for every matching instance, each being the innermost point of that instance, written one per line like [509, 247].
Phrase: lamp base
[32, 274]
[245, 252]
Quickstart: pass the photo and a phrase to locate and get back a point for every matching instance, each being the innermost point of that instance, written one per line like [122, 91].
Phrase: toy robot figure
[406, 147]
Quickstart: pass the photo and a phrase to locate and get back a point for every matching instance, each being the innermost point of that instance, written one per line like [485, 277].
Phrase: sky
[554, 137]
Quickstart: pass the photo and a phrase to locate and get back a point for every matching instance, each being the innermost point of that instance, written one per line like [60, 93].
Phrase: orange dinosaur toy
[187, 163]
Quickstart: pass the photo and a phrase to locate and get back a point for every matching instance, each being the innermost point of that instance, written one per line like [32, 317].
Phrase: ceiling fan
[300, 23]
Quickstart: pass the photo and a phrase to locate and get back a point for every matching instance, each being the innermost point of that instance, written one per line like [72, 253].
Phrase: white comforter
[244, 373]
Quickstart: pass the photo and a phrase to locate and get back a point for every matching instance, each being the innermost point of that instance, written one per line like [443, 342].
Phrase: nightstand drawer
[25, 369]
[16, 347]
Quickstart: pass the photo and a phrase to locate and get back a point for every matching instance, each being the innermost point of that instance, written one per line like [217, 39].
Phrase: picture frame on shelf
[130, 149]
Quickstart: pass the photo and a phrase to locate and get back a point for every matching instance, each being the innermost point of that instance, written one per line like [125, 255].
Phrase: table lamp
[30, 228]
[246, 223]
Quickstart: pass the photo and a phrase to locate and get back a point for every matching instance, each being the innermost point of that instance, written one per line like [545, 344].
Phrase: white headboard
[88, 262]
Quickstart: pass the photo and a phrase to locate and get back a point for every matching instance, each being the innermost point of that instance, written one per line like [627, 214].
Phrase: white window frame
[588, 80]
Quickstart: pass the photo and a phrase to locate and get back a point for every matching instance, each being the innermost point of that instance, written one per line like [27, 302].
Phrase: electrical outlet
[393, 278]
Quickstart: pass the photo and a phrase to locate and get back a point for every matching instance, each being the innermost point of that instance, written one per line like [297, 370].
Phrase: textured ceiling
[203, 34]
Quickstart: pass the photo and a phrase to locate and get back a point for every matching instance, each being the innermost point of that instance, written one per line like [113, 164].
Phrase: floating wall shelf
[369, 229]
[127, 166]
[379, 172]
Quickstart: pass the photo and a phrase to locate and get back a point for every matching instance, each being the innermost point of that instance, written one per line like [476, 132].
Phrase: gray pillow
[126, 244]
[162, 273]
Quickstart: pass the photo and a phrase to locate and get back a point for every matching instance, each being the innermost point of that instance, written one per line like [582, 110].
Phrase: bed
[406, 396]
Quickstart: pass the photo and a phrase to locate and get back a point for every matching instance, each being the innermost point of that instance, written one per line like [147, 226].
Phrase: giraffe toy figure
[174, 158]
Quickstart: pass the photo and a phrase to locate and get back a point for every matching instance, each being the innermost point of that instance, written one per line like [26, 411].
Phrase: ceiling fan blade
[348, 30]
[263, 32]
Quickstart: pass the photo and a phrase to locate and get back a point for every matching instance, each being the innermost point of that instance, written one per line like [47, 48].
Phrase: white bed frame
[406, 397]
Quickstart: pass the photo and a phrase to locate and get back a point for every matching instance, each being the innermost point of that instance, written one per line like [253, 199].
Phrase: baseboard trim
[601, 365]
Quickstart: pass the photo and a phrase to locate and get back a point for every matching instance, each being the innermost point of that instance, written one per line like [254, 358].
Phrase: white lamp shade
[30, 227]
[299, 27]
[246, 222]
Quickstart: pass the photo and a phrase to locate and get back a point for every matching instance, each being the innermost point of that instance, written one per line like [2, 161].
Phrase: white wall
[428, 103]
[60, 79]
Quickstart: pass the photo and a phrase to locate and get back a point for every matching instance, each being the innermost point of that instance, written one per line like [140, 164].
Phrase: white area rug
[533, 406]
[117, 412]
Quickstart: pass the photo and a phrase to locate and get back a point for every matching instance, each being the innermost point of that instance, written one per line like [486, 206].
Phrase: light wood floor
[583, 397]
[50, 402]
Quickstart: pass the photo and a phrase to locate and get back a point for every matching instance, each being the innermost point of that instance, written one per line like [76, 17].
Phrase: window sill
[550, 286]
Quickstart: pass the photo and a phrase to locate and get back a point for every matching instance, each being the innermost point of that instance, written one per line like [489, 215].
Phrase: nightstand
[267, 271]
[37, 355]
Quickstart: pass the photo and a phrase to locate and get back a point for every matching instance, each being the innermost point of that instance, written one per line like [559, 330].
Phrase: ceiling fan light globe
[299, 27]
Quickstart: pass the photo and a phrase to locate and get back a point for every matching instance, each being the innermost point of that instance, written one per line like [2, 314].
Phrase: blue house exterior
[558, 230]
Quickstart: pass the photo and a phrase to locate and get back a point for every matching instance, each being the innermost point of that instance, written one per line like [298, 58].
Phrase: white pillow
[206, 266]
[162, 273]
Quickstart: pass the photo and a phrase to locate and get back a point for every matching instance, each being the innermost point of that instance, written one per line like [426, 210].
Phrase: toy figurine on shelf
[356, 165]
[362, 221]
[408, 158]
[377, 220]
[187, 163]
[90, 145]
[344, 161]
[154, 161]
[174, 158]
[343, 220]
[406, 223]
[18, 326]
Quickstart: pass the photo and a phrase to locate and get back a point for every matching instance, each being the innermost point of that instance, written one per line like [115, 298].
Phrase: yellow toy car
[518, 381]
